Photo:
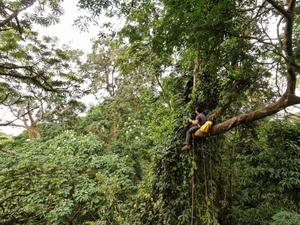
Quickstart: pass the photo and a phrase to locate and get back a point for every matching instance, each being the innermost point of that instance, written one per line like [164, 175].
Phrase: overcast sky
[66, 31]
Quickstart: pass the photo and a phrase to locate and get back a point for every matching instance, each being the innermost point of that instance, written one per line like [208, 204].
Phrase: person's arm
[194, 122]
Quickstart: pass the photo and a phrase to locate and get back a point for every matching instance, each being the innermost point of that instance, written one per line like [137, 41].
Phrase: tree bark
[196, 71]
[282, 103]
[33, 132]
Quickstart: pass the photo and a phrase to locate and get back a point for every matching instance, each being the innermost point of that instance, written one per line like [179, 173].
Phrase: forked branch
[288, 98]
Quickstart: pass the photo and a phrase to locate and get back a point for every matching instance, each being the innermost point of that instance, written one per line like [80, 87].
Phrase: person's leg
[189, 136]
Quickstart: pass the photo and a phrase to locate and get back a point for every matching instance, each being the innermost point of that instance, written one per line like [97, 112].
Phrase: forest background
[152, 63]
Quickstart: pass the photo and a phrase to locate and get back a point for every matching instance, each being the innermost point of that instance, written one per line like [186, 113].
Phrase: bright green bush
[69, 179]
[286, 218]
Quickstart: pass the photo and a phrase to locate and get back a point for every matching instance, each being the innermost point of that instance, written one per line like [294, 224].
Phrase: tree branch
[236, 88]
[10, 123]
[288, 48]
[165, 94]
[34, 80]
[279, 8]
[15, 13]
[15, 153]
[29, 113]
[13, 196]
[282, 103]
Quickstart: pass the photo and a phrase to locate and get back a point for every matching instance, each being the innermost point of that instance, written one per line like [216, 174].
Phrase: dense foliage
[131, 176]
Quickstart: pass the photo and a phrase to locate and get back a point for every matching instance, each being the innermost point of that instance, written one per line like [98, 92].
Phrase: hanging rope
[193, 184]
[204, 172]
[208, 179]
[211, 178]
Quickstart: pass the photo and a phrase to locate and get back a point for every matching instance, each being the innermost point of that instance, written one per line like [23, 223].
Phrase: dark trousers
[189, 134]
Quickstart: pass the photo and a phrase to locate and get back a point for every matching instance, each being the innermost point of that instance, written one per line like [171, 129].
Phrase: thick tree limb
[288, 48]
[279, 8]
[33, 79]
[8, 19]
[271, 109]
[288, 98]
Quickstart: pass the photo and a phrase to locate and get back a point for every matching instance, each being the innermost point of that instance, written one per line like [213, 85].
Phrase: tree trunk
[196, 71]
[33, 132]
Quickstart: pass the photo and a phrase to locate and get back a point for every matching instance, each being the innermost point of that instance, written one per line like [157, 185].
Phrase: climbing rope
[204, 172]
[193, 184]
[208, 179]
[211, 178]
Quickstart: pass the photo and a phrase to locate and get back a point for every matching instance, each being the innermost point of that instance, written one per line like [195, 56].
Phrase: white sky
[66, 30]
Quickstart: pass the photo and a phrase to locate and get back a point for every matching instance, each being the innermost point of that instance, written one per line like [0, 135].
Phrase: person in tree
[196, 124]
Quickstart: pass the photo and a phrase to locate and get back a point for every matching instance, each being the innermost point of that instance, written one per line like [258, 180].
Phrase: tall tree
[30, 103]
[101, 68]
[229, 56]
[17, 68]
[212, 28]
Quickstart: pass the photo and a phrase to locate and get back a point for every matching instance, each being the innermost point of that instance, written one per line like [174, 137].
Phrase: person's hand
[185, 119]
